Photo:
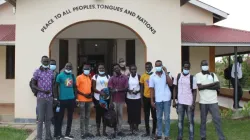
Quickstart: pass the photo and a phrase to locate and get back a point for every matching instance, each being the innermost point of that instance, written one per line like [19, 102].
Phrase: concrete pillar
[73, 54]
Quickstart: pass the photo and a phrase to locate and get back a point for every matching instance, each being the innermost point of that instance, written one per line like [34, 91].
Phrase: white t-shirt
[134, 84]
[101, 83]
[207, 96]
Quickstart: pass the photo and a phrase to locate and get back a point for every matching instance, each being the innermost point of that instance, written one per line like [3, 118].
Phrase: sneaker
[69, 137]
[59, 137]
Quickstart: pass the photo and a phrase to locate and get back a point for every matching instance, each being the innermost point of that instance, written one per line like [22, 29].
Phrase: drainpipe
[235, 78]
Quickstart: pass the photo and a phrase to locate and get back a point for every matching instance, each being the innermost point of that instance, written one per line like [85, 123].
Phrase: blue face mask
[52, 67]
[158, 69]
[68, 71]
[45, 66]
[185, 71]
[101, 72]
[86, 72]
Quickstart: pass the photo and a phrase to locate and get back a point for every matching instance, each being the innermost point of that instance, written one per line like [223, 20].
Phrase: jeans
[214, 110]
[147, 108]
[84, 116]
[70, 106]
[119, 111]
[240, 92]
[182, 109]
[45, 113]
[163, 108]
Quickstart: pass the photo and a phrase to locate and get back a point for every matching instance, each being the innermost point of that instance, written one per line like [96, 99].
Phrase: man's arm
[169, 80]
[174, 93]
[34, 85]
[125, 86]
[194, 91]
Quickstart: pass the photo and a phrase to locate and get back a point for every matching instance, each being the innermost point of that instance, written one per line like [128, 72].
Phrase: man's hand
[55, 101]
[193, 106]
[113, 90]
[47, 91]
[102, 93]
[153, 105]
[174, 103]
[88, 96]
[164, 69]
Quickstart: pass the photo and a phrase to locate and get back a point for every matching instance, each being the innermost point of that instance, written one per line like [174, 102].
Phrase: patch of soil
[29, 131]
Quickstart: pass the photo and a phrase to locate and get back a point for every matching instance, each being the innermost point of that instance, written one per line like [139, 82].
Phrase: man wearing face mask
[83, 83]
[207, 84]
[185, 88]
[239, 75]
[124, 69]
[42, 82]
[159, 83]
[66, 84]
[146, 101]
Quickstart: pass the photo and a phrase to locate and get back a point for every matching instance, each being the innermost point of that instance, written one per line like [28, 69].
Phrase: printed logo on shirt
[147, 81]
[68, 82]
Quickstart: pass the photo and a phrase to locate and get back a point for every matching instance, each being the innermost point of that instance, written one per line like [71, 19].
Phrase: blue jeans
[163, 107]
[182, 109]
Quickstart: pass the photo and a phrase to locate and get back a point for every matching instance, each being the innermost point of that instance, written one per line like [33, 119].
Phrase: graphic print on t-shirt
[147, 81]
[68, 82]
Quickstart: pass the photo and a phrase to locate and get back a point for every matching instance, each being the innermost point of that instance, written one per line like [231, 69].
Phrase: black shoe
[89, 135]
[69, 137]
[145, 135]
[59, 137]
[83, 137]
[121, 134]
[157, 137]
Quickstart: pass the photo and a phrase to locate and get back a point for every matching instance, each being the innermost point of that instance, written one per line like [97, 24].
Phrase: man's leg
[49, 115]
[203, 112]
[153, 113]
[233, 84]
[146, 103]
[60, 118]
[190, 115]
[87, 116]
[98, 118]
[70, 111]
[41, 106]
[181, 113]
[167, 107]
[159, 114]
[82, 117]
[119, 111]
[240, 93]
[214, 110]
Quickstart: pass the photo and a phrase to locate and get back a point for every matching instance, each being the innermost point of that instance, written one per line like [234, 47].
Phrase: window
[10, 62]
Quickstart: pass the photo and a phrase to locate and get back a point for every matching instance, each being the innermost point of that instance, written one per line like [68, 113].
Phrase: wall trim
[215, 44]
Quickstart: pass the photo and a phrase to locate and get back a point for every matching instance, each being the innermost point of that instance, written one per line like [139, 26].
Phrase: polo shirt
[66, 82]
[207, 96]
[83, 84]
[162, 91]
[145, 81]
[185, 94]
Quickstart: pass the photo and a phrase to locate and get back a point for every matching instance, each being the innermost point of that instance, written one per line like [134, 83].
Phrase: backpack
[110, 119]
[32, 89]
[178, 78]
[227, 72]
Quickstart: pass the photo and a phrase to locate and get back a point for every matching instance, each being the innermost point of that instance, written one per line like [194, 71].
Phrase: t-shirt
[185, 94]
[133, 84]
[162, 91]
[83, 84]
[145, 81]
[101, 83]
[207, 96]
[67, 82]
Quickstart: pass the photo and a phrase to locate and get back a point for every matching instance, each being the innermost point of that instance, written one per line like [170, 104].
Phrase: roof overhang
[7, 43]
[215, 44]
[12, 2]
[218, 14]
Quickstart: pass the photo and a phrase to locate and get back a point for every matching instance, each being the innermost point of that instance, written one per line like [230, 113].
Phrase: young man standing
[185, 87]
[66, 83]
[208, 85]
[118, 85]
[159, 83]
[83, 83]
[42, 82]
[239, 76]
[146, 101]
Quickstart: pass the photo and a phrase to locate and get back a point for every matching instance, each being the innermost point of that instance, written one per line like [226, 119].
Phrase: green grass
[8, 133]
[233, 130]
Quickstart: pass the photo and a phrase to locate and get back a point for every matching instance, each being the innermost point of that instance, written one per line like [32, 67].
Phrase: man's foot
[98, 134]
[59, 137]
[89, 135]
[83, 137]
[112, 136]
[157, 137]
[121, 134]
[69, 137]
[145, 135]
[167, 138]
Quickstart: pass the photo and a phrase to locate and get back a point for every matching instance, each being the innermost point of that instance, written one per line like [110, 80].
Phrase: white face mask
[204, 68]
[123, 64]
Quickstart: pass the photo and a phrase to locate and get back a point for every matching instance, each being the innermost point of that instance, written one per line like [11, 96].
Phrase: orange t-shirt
[83, 84]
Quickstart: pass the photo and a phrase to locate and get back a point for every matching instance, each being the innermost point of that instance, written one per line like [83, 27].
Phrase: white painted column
[121, 49]
[140, 56]
[73, 54]
[55, 52]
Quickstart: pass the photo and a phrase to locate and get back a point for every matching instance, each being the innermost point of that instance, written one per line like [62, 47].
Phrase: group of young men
[67, 92]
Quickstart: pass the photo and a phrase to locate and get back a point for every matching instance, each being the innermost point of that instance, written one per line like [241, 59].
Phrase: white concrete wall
[157, 47]
[140, 53]
[73, 54]
[194, 14]
[6, 14]
[6, 85]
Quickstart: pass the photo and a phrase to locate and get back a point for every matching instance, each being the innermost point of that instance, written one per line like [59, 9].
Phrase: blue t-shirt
[67, 82]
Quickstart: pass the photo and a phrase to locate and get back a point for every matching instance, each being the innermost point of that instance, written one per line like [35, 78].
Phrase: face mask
[148, 72]
[45, 66]
[158, 69]
[52, 67]
[185, 71]
[123, 64]
[204, 68]
[68, 71]
[101, 72]
[86, 72]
